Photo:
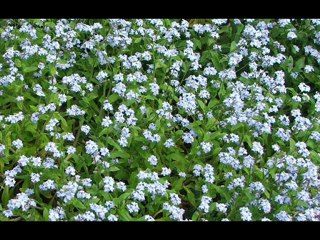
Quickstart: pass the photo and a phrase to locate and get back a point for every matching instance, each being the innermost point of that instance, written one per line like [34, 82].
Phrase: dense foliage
[159, 120]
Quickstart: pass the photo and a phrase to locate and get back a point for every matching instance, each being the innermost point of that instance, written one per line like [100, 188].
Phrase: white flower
[71, 150]
[20, 98]
[175, 199]
[48, 185]
[188, 103]
[17, 144]
[246, 215]
[56, 214]
[38, 89]
[51, 124]
[304, 87]
[188, 137]
[256, 147]
[265, 205]
[83, 195]
[75, 111]
[221, 207]
[91, 147]
[35, 177]
[308, 69]
[291, 35]
[169, 143]
[112, 218]
[87, 216]
[153, 160]
[85, 129]
[121, 186]
[149, 218]
[2, 148]
[283, 216]
[102, 76]
[206, 147]
[133, 207]
[108, 184]
[107, 106]
[106, 122]
[69, 137]
[204, 206]
[165, 171]
[70, 171]
[68, 191]
[99, 210]
[104, 152]
[197, 170]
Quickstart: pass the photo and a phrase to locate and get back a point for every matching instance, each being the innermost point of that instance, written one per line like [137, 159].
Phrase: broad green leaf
[5, 196]
[78, 204]
[30, 69]
[112, 98]
[233, 46]
[124, 215]
[299, 64]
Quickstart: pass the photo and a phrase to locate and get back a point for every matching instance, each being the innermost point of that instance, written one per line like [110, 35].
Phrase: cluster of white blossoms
[156, 119]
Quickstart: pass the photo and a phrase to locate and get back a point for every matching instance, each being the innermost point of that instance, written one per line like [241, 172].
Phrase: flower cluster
[160, 120]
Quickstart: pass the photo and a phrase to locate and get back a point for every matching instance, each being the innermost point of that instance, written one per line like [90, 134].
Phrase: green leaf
[17, 62]
[312, 78]
[30, 69]
[5, 196]
[195, 216]
[105, 131]
[114, 169]
[190, 196]
[197, 43]
[205, 57]
[223, 192]
[178, 134]
[120, 154]
[176, 156]
[112, 98]
[217, 135]
[292, 145]
[212, 124]
[213, 102]
[177, 185]
[216, 151]
[258, 172]
[216, 61]
[299, 64]
[289, 64]
[159, 64]
[50, 24]
[238, 33]
[248, 195]
[45, 214]
[118, 201]
[247, 139]
[137, 40]
[64, 125]
[32, 128]
[202, 105]
[180, 161]
[113, 143]
[52, 70]
[124, 215]
[78, 204]
[233, 46]
[267, 194]
[222, 91]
